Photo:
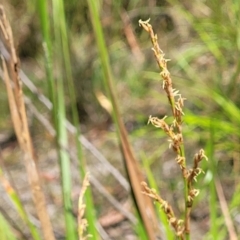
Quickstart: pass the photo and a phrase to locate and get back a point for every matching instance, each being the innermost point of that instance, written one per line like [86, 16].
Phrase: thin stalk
[213, 197]
[70, 223]
[177, 112]
[174, 131]
[20, 123]
[47, 46]
[56, 94]
[62, 43]
[62, 138]
[90, 212]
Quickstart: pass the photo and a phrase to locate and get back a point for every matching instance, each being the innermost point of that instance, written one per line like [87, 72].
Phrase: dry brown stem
[18, 113]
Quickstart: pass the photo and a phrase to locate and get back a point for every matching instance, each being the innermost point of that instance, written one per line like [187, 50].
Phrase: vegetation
[88, 65]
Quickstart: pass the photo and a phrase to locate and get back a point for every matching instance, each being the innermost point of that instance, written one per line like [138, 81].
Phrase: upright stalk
[56, 93]
[174, 132]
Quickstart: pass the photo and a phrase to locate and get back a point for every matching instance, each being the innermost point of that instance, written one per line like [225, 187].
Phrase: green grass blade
[139, 228]
[229, 108]
[61, 23]
[47, 45]
[236, 197]
[213, 196]
[131, 165]
[56, 92]
[19, 207]
[5, 230]
[61, 44]
[71, 230]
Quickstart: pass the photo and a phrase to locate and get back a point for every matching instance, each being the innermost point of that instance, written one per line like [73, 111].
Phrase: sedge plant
[174, 131]
[57, 95]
